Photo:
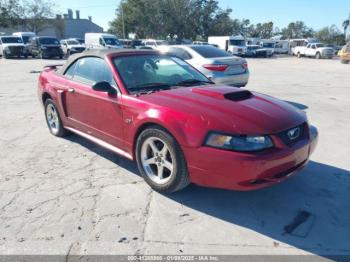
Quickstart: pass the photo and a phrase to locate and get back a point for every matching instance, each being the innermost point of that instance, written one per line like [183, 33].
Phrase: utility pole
[123, 23]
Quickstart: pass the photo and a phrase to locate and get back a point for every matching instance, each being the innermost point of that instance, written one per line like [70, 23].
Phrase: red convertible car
[179, 126]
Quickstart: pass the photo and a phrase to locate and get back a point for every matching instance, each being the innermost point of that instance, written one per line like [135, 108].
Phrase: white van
[25, 38]
[102, 41]
[282, 47]
[235, 45]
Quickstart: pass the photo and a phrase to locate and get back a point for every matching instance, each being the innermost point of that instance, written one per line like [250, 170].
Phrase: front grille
[292, 136]
[16, 49]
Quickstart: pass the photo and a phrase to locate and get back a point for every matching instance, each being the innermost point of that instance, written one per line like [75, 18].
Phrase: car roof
[103, 53]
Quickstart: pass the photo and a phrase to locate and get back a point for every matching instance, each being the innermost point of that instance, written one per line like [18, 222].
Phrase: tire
[53, 119]
[299, 55]
[40, 55]
[344, 61]
[162, 151]
[318, 56]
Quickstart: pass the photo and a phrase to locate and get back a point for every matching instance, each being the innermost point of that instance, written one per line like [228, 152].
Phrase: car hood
[228, 109]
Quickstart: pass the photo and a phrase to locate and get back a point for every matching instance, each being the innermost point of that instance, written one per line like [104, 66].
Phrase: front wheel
[53, 119]
[161, 161]
[318, 56]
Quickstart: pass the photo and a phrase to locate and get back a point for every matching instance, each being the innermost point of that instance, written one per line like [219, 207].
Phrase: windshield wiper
[189, 82]
[149, 88]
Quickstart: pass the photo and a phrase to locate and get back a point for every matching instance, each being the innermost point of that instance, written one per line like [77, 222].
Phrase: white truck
[316, 50]
[235, 45]
[25, 39]
[12, 46]
[101, 41]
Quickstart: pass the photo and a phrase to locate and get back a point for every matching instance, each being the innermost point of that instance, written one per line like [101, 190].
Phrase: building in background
[66, 26]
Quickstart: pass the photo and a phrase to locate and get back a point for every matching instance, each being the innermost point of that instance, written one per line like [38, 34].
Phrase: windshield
[111, 41]
[237, 42]
[72, 42]
[142, 73]
[48, 41]
[209, 51]
[25, 39]
[268, 45]
[11, 40]
[319, 45]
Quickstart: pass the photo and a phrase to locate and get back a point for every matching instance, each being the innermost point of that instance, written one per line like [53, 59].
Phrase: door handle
[71, 90]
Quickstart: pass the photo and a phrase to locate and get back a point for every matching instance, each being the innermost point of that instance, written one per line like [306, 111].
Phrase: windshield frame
[170, 85]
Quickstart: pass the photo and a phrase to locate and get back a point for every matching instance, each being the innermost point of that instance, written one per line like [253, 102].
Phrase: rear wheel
[161, 161]
[53, 119]
[299, 55]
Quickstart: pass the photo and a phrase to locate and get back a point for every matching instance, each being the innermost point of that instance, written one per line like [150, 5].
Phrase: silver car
[218, 65]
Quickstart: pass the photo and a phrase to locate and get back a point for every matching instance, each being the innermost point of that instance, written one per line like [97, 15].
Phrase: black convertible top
[103, 53]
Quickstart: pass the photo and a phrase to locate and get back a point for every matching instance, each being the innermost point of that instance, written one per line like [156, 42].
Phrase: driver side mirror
[104, 86]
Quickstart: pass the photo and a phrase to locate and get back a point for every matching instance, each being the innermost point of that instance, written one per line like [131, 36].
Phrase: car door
[98, 114]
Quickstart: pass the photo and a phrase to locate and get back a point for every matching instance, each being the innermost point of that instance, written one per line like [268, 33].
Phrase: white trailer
[282, 47]
[235, 45]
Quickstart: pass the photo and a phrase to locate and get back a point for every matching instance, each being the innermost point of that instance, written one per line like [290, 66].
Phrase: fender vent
[238, 96]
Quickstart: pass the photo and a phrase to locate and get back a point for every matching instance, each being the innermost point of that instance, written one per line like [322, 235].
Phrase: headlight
[43, 48]
[239, 143]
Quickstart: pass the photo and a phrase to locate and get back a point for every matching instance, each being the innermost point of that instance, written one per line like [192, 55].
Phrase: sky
[315, 13]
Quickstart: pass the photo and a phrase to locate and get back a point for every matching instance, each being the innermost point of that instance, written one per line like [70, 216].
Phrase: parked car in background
[269, 46]
[316, 50]
[336, 48]
[12, 46]
[216, 64]
[80, 40]
[71, 46]
[344, 54]
[177, 125]
[235, 45]
[25, 38]
[132, 43]
[282, 47]
[154, 44]
[258, 51]
[102, 41]
[200, 43]
[45, 47]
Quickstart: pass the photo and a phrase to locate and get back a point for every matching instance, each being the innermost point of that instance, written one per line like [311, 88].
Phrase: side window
[101, 41]
[180, 53]
[70, 71]
[90, 70]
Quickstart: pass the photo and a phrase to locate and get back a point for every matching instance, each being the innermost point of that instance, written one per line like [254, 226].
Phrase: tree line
[33, 15]
[198, 19]
[167, 19]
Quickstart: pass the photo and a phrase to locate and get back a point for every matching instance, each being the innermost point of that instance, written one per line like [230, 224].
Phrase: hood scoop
[238, 96]
[228, 93]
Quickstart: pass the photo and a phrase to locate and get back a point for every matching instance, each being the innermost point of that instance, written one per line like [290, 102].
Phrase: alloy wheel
[52, 118]
[157, 160]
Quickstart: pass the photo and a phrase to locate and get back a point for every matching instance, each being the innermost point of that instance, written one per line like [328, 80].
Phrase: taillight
[220, 68]
[245, 66]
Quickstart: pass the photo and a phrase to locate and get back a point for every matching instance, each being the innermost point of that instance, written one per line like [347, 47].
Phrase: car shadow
[310, 211]
[297, 105]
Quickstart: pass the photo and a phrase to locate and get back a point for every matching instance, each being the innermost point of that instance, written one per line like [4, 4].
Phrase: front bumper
[249, 171]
